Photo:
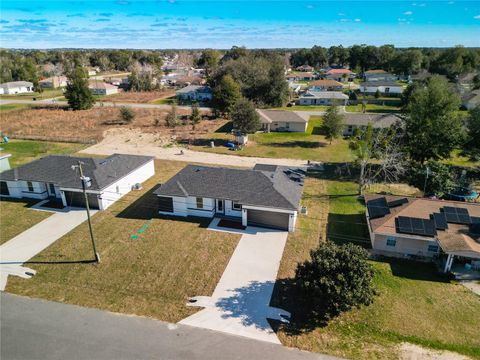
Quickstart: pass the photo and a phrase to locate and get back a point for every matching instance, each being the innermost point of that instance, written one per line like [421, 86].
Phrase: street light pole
[86, 180]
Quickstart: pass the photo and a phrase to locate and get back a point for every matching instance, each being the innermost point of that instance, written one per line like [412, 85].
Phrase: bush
[127, 114]
[336, 279]
[441, 178]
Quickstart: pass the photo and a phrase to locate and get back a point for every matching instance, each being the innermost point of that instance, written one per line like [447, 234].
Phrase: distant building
[326, 85]
[53, 82]
[378, 75]
[340, 75]
[387, 88]
[195, 93]
[305, 68]
[282, 121]
[4, 162]
[16, 87]
[323, 98]
[354, 121]
[300, 76]
[102, 88]
[471, 99]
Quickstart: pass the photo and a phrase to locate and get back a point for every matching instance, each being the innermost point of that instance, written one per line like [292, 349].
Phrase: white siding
[19, 189]
[292, 126]
[124, 185]
[208, 207]
[403, 245]
[382, 89]
[229, 211]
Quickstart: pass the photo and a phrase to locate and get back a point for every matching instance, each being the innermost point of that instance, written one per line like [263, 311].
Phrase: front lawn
[46, 94]
[24, 151]
[16, 217]
[373, 108]
[150, 265]
[415, 304]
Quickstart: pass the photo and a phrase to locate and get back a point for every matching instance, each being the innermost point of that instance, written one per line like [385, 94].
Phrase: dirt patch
[139, 96]
[414, 352]
[91, 125]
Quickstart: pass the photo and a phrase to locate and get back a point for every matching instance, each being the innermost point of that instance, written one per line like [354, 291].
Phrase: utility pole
[86, 182]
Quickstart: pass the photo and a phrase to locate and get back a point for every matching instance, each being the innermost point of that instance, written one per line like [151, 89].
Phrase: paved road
[240, 303]
[29, 243]
[37, 329]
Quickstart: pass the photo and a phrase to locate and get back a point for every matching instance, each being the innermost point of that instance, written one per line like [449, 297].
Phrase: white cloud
[407, 13]
[357, 20]
[477, 17]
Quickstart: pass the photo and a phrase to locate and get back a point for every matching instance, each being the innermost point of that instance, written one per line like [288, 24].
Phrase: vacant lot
[149, 266]
[16, 217]
[415, 304]
[138, 96]
[89, 125]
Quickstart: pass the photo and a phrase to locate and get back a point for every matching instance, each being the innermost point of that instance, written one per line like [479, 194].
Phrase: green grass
[24, 151]
[16, 217]
[166, 101]
[414, 304]
[46, 94]
[373, 108]
[151, 274]
[457, 159]
[10, 107]
[303, 108]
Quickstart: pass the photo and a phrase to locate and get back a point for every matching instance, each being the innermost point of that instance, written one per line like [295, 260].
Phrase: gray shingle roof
[194, 88]
[57, 169]
[324, 95]
[377, 120]
[269, 116]
[14, 84]
[260, 187]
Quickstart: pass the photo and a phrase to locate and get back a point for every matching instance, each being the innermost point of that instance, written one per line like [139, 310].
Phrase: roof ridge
[273, 186]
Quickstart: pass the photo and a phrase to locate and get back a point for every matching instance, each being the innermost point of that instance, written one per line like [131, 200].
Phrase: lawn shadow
[28, 203]
[414, 270]
[225, 128]
[299, 143]
[348, 228]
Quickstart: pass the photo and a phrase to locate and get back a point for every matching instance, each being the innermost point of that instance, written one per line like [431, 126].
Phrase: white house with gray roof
[387, 88]
[354, 121]
[55, 178]
[265, 196]
[16, 87]
[195, 93]
[279, 120]
[323, 98]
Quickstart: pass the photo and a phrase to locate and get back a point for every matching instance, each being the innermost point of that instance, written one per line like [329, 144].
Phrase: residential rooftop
[377, 120]
[325, 95]
[271, 116]
[380, 83]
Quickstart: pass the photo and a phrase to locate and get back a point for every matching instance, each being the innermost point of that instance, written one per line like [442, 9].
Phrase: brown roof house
[326, 85]
[424, 228]
[279, 120]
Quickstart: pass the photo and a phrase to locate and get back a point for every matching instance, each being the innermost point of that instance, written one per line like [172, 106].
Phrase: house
[265, 196]
[340, 75]
[296, 88]
[279, 120]
[300, 76]
[471, 99]
[353, 121]
[386, 88]
[326, 85]
[16, 87]
[323, 98]
[91, 71]
[425, 228]
[4, 162]
[102, 88]
[196, 93]
[54, 177]
[305, 68]
[53, 82]
[378, 75]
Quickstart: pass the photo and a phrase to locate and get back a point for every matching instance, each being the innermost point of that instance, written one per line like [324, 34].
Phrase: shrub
[127, 114]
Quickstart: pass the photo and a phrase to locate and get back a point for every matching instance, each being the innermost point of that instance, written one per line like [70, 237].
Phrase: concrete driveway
[26, 245]
[240, 304]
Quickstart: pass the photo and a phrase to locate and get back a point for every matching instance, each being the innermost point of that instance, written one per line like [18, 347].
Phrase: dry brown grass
[139, 96]
[90, 124]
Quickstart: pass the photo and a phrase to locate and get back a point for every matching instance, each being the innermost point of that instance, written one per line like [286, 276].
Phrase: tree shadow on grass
[299, 143]
[28, 203]
[225, 128]
[414, 270]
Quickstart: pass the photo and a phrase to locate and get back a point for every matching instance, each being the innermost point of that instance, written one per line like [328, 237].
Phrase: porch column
[244, 217]
[448, 263]
[64, 200]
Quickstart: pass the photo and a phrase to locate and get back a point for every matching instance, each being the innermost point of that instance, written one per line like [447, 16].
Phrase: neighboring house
[306, 68]
[471, 100]
[53, 82]
[267, 196]
[353, 121]
[16, 87]
[279, 120]
[52, 177]
[4, 162]
[92, 71]
[296, 88]
[325, 85]
[102, 88]
[425, 228]
[340, 75]
[195, 93]
[323, 98]
[378, 75]
[300, 76]
[466, 82]
[387, 88]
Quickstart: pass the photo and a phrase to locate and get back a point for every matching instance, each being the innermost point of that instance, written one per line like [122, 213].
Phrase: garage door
[165, 204]
[268, 219]
[77, 199]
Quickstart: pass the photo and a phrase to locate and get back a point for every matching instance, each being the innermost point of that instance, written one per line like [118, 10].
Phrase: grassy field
[24, 151]
[10, 107]
[46, 94]
[373, 108]
[165, 101]
[149, 266]
[16, 217]
[415, 304]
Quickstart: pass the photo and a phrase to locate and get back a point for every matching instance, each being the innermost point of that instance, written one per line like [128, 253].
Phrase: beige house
[300, 76]
[279, 120]
[426, 229]
[102, 88]
[325, 85]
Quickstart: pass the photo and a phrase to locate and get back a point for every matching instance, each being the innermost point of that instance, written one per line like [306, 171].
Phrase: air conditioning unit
[303, 210]
[137, 186]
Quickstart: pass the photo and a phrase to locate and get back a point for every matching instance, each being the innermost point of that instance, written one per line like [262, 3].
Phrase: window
[433, 248]
[236, 205]
[287, 125]
[387, 90]
[30, 186]
[52, 189]
[391, 241]
[199, 203]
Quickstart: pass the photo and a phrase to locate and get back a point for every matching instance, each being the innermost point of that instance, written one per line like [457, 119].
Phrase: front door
[51, 190]
[220, 206]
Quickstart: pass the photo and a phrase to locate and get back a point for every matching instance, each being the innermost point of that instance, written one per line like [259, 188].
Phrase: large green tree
[245, 117]
[432, 127]
[77, 93]
[333, 123]
[472, 145]
[225, 94]
[209, 60]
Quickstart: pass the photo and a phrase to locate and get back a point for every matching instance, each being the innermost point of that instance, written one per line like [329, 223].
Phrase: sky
[177, 24]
